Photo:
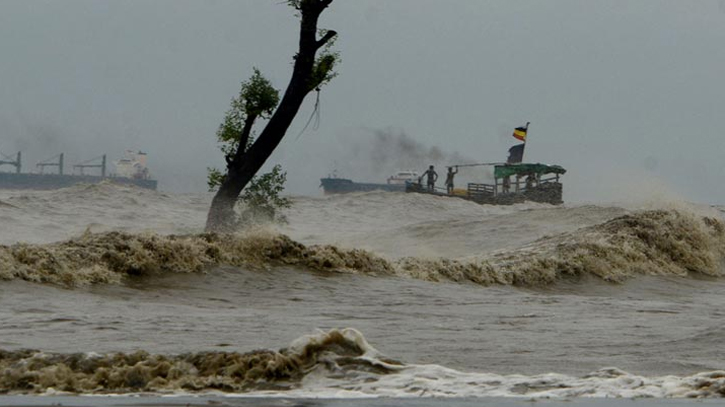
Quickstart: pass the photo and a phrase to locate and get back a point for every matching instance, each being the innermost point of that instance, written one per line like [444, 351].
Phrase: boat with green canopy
[513, 181]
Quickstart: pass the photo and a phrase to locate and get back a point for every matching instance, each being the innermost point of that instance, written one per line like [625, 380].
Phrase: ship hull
[56, 181]
[343, 186]
[550, 193]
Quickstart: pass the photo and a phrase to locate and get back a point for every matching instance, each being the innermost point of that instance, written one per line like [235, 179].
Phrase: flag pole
[523, 150]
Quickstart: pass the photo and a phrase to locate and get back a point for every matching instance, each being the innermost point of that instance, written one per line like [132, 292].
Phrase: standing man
[506, 184]
[449, 179]
[432, 178]
[529, 182]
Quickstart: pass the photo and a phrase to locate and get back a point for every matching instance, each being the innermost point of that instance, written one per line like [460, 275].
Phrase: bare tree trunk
[244, 166]
[221, 215]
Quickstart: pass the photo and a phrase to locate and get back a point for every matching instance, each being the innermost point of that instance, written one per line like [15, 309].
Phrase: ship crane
[50, 163]
[8, 160]
[87, 164]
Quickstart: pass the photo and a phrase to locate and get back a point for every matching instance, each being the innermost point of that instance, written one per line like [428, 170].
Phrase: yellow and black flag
[520, 132]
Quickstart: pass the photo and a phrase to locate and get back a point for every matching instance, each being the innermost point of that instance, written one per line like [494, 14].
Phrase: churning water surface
[448, 298]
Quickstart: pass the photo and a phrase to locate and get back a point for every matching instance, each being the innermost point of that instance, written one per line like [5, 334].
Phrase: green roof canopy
[506, 170]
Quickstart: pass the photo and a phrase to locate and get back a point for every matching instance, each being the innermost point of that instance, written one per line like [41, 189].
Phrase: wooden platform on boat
[529, 184]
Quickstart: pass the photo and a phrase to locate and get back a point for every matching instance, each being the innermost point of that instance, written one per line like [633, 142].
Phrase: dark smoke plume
[383, 152]
[400, 149]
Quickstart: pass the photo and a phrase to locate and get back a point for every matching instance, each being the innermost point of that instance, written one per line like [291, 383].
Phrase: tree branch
[243, 140]
[328, 36]
[317, 5]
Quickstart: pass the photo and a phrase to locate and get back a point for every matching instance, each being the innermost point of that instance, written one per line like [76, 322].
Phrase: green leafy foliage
[323, 70]
[261, 197]
[257, 99]
[214, 178]
[262, 200]
[257, 96]
[230, 131]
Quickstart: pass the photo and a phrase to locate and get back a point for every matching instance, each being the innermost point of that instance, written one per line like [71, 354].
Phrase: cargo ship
[130, 170]
[395, 183]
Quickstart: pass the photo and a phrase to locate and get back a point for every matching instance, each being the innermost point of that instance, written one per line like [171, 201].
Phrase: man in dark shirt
[432, 178]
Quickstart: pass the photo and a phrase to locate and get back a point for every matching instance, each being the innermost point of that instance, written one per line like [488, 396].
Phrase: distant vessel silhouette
[130, 169]
[395, 183]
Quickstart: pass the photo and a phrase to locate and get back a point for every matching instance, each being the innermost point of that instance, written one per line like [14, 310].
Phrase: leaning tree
[314, 65]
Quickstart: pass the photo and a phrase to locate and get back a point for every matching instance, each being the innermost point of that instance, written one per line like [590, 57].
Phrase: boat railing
[519, 185]
[549, 180]
[480, 190]
[483, 191]
[419, 187]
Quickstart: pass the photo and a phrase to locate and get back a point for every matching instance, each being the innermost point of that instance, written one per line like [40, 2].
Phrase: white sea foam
[334, 364]
[438, 381]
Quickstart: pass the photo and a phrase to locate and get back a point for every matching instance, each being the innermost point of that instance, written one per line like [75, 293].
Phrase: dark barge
[395, 183]
[344, 185]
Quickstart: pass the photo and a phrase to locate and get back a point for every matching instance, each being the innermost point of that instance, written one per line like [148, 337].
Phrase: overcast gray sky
[624, 94]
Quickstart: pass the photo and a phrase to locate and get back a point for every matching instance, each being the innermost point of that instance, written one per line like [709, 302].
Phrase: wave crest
[29, 371]
[110, 257]
[338, 363]
[660, 242]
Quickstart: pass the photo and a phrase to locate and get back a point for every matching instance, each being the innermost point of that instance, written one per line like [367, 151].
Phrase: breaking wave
[338, 363]
[29, 371]
[111, 257]
[656, 242]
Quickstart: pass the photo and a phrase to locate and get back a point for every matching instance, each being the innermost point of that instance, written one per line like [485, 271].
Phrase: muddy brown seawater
[446, 298]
